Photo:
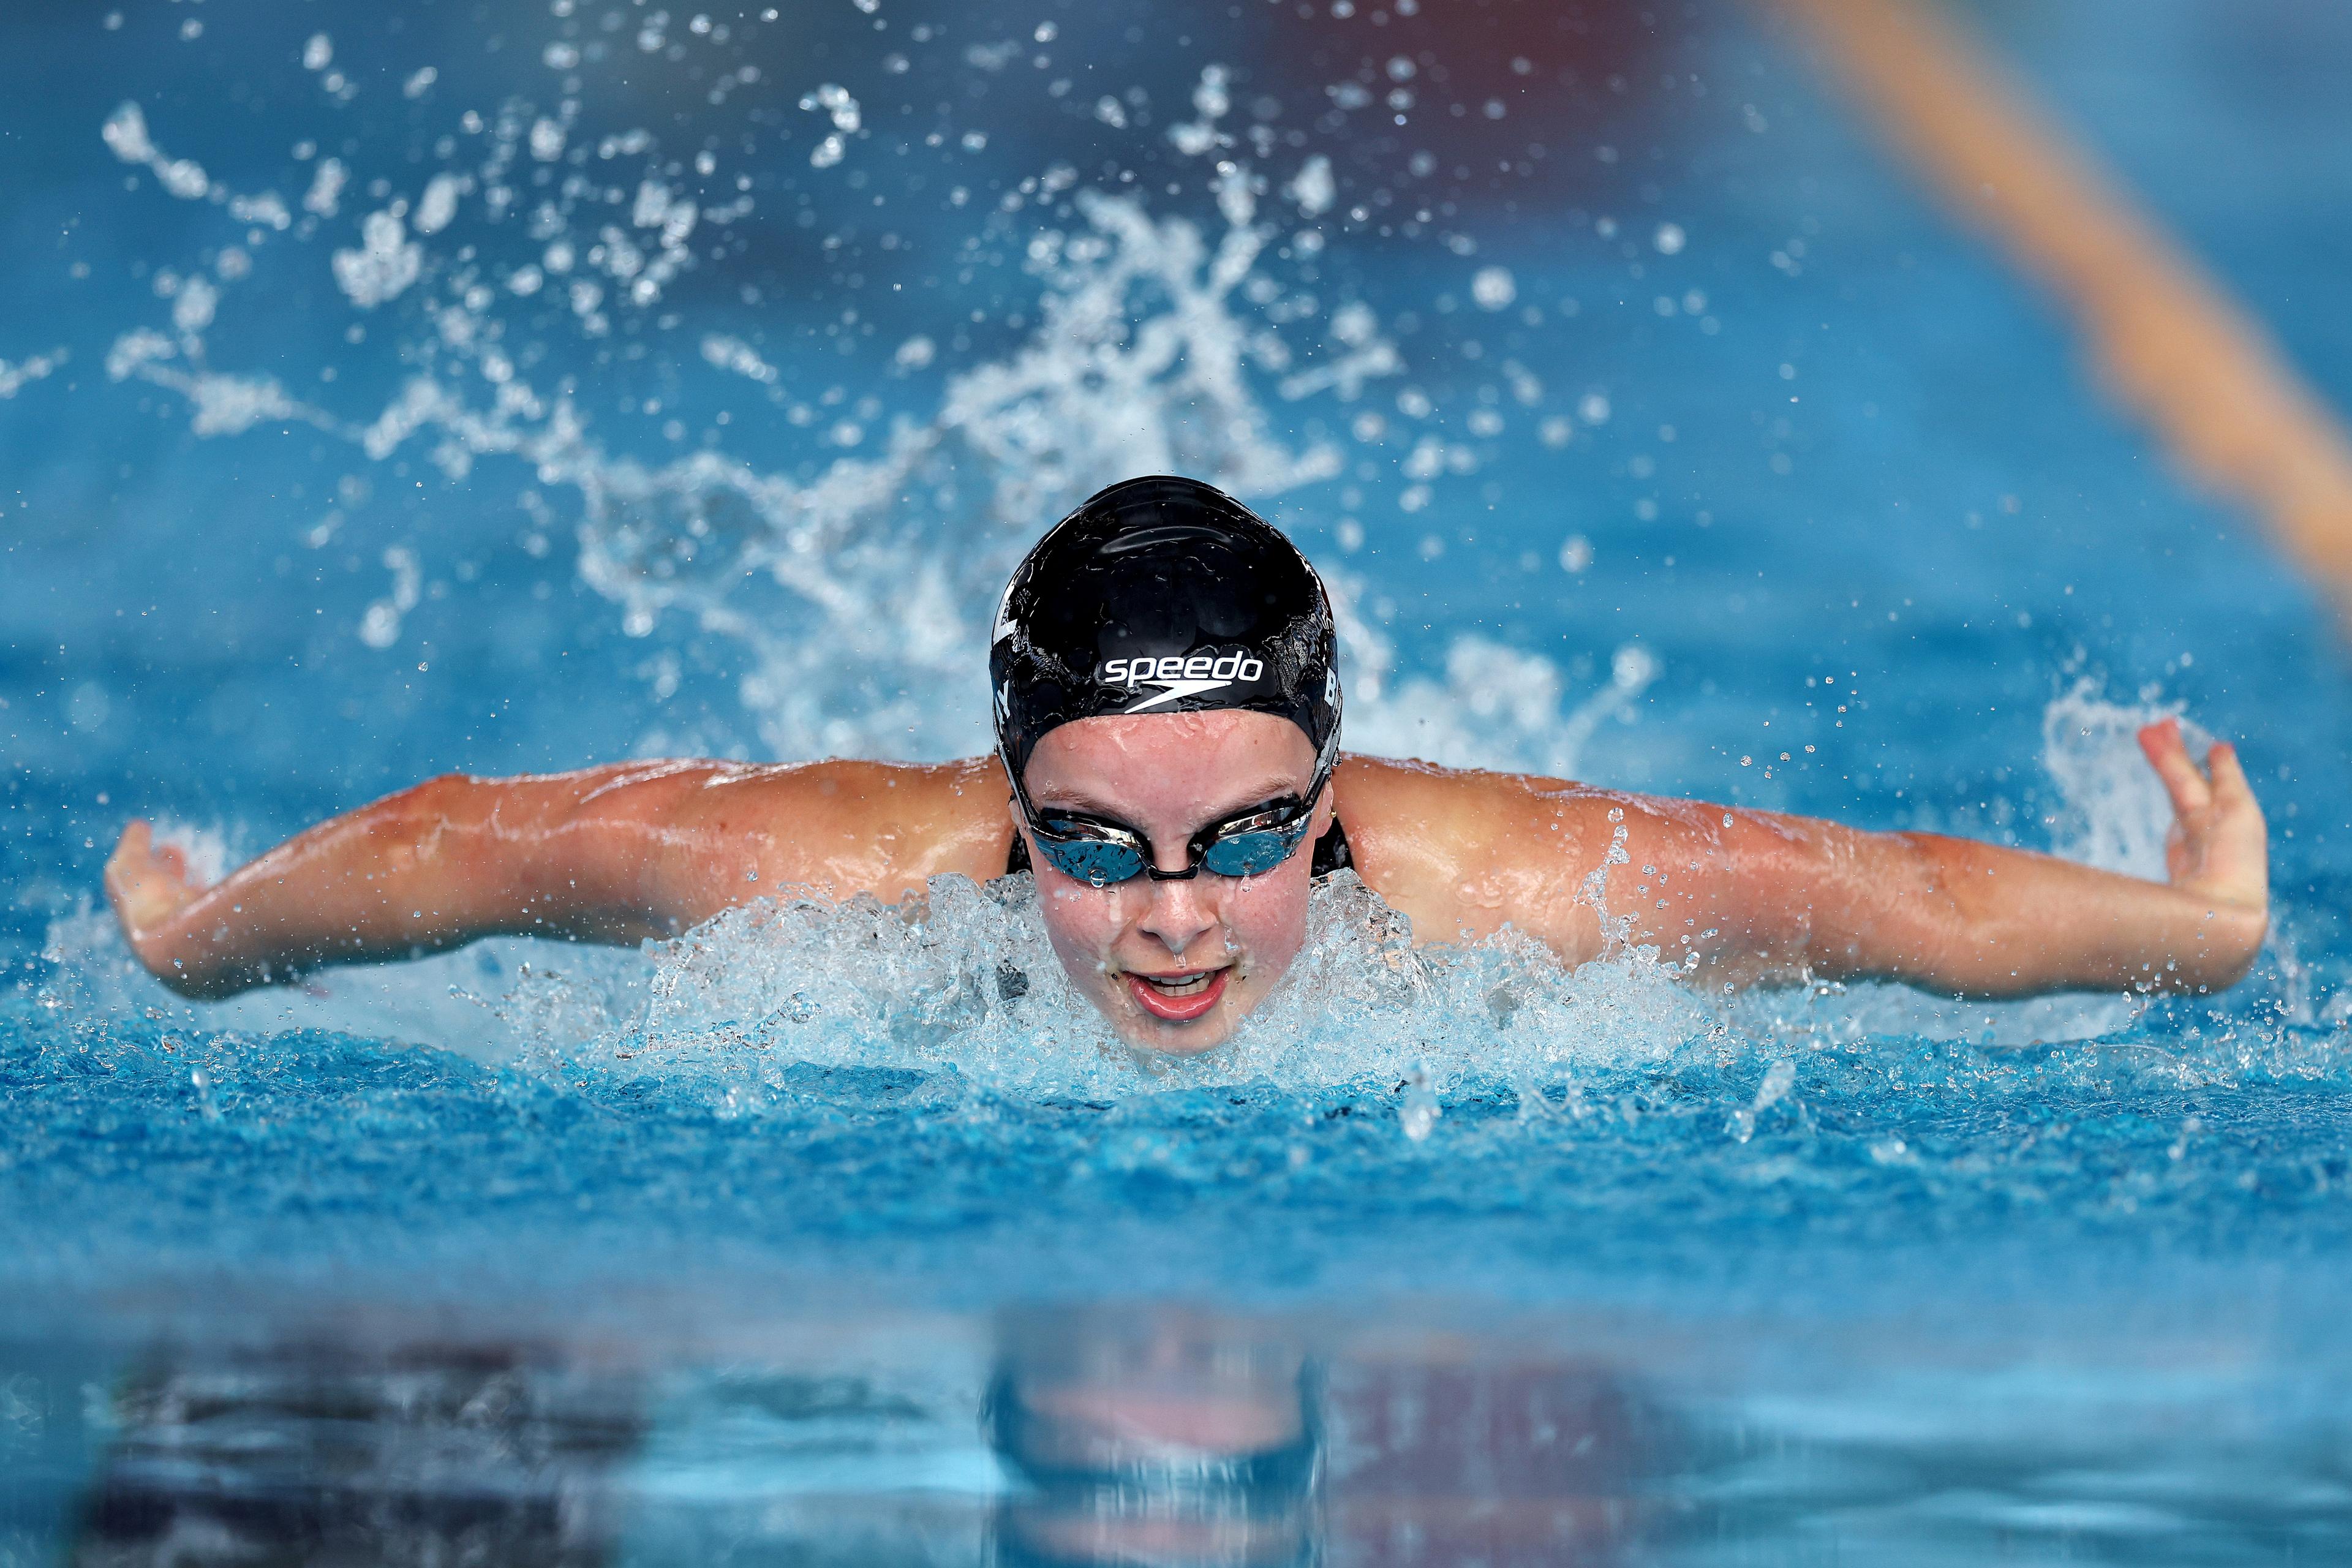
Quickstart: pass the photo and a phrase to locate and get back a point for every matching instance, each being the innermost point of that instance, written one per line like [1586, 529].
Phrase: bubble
[13, 378]
[88, 706]
[836, 102]
[736, 357]
[384, 266]
[326, 189]
[1313, 188]
[1493, 289]
[438, 204]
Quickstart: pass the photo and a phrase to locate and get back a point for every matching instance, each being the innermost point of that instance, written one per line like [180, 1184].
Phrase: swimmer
[1168, 768]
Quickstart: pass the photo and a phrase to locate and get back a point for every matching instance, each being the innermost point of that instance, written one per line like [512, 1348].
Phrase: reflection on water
[1156, 1438]
[1138, 1434]
[1101, 1436]
[1168, 1437]
[324, 1453]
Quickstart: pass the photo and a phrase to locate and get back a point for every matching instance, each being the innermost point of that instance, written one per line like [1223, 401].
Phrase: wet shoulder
[1463, 851]
[878, 828]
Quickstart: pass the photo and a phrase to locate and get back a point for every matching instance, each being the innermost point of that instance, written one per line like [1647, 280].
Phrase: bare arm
[615, 853]
[1757, 897]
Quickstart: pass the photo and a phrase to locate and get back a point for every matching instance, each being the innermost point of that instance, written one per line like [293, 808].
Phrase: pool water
[511, 386]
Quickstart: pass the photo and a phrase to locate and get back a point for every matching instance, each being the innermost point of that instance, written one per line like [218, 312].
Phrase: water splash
[851, 597]
[1498, 708]
[2115, 812]
[15, 378]
[965, 985]
[2112, 813]
[857, 592]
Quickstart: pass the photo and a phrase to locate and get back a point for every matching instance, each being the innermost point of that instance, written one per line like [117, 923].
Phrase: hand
[2219, 848]
[147, 885]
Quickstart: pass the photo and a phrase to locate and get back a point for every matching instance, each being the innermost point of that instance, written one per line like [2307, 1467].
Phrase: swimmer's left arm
[1749, 897]
[1785, 897]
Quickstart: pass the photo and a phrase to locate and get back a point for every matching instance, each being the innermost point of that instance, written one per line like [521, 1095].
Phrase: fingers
[2230, 790]
[146, 884]
[131, 853]
[2186, 786]
[128, 878]
[138, 859]
[136, 842]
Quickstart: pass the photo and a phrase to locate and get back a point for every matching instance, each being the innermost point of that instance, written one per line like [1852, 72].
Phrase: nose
[1178, 916]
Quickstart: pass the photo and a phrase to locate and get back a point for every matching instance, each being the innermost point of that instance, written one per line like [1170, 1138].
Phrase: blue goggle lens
[1103, 861]
[1251, 854]
[1093, 860]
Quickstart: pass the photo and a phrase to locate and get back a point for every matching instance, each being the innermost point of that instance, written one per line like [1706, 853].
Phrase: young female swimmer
[1167, 711]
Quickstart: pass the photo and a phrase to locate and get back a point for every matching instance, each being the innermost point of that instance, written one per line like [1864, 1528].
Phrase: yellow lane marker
[2167, 339]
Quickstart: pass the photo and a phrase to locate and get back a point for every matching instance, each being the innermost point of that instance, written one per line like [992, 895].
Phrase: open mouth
[1178, 998]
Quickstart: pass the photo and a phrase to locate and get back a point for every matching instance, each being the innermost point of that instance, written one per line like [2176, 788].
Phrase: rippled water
[394, 392]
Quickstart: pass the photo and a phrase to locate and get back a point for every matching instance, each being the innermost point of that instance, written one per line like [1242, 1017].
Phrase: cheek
[1267, 915]
[1083, 923]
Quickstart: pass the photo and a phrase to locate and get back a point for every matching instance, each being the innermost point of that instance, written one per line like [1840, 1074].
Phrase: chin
[1161, 1037]
[1177, 1039]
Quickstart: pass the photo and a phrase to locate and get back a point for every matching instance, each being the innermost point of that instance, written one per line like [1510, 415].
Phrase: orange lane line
[2166, 338]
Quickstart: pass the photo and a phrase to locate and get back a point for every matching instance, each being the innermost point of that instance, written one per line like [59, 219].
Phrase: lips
[1181, 998]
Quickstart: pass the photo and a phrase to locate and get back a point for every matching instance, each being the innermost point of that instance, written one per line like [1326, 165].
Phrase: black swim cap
[1162, 596]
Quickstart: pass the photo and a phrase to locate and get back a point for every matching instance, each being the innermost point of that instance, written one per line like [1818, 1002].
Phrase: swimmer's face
[1175, 966]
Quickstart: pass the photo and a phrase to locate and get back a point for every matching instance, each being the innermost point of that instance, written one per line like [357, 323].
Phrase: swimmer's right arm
[615, 854]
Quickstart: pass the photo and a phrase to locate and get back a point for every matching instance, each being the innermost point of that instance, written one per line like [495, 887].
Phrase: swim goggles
[1097, 850]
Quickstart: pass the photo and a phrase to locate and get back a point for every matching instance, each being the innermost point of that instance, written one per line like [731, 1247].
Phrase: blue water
[1697, 439]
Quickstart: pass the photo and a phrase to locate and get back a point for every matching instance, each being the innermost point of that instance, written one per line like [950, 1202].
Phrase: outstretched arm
[615, 853]
[1749, 897]
[1973, 920]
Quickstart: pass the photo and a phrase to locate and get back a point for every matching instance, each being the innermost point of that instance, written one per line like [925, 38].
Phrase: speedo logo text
[1179, 676]
[1220, 669]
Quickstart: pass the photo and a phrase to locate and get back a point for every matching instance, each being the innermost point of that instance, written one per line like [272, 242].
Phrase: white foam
[857, 614]
[2116, 814]
[386, 262]
[15, 378]
[1493, 288]
[1499, 708]
[964, 982]
[125, 132]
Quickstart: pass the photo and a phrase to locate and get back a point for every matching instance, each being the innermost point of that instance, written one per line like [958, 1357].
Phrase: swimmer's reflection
[1133, 1435]
[455, 1454]
[1165, 1438]
[1156, 1438]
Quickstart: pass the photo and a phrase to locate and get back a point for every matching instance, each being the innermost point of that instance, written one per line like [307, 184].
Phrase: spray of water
[964, 985]
[13, 378]
[857, 594]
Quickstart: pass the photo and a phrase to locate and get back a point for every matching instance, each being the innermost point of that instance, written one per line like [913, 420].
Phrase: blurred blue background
[641, 380]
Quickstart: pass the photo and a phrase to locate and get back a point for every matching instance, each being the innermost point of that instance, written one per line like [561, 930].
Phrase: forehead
[1171, 762]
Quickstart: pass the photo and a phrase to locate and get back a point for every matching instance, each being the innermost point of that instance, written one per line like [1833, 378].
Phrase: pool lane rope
[2167, 338]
